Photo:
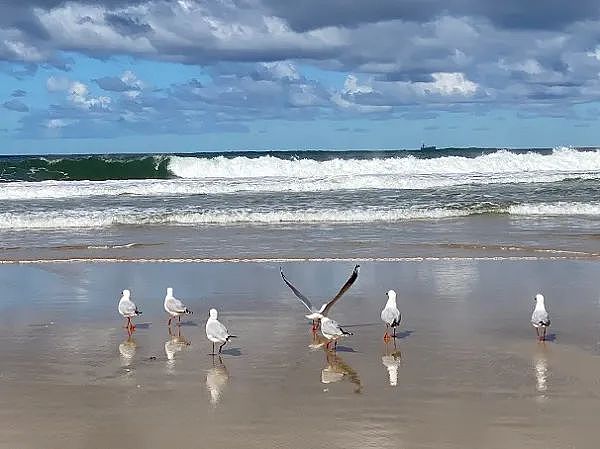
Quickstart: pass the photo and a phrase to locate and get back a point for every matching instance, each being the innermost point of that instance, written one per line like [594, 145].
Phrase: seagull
[540, 317]
[316, 314]
[174, 307]
[332, 331]
[216, 332]
[390, 315]
[128, 309]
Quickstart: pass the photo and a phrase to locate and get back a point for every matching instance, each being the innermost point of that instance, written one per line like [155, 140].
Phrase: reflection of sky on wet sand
[455, 361]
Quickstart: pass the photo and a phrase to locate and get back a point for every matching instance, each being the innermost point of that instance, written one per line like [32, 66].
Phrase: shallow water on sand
[465, 372]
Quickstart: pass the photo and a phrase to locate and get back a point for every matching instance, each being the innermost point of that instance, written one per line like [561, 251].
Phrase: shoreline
[465, 343]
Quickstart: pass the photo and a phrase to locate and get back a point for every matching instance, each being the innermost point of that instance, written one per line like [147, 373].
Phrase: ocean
[302, 204]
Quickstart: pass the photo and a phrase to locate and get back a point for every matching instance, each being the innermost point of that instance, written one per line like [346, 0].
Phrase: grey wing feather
[176, 305]
[331, 327]
[217, 330]
[390, 316]
[127, 307]
[343, 290]
[540, 317]
[303, 299]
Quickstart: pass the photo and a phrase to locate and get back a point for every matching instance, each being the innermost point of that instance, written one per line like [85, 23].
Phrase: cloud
[18, 93]
[410, 58]
[126, 82]
[16, 105]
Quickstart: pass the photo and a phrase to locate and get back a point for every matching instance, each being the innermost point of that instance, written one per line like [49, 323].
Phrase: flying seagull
[390, 315]
[216, 332]
[174, 307]
[540, 317]
[317, 314]
[128, 309]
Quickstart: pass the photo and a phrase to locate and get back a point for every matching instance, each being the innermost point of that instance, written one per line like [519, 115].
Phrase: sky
[193, 75]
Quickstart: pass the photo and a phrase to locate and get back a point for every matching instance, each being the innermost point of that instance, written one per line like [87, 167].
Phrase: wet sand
[466, 371]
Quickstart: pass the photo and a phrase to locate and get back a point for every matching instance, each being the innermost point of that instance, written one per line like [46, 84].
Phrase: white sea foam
[220, 175]
[561, 160]
[554, 209]
[126, 216]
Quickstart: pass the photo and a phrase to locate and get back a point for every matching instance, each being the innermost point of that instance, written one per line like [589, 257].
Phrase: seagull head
[170, 291]
[539, 298]
[391, 294]
[126, 294]
[213, 314]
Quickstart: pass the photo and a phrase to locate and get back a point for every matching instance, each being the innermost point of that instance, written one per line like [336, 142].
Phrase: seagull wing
[303, 299]
[343, 290]
[217, 330]
[540, 317]
[127, 308]
[175, 305]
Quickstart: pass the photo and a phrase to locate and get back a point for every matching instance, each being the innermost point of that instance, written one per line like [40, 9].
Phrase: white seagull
[216, 332]
[332, 331]
[174, 307]
[540, 317]
[390, 315]
[316, 314]
[128, 309]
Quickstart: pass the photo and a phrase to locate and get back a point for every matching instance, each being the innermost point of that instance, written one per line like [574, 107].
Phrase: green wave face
[78, 168]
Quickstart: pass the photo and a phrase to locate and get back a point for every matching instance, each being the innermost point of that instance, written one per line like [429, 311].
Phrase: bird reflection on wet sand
[127, 350]
[391, 360]
[176, 343]
[337, 370]
[217, 378]
[541, 371]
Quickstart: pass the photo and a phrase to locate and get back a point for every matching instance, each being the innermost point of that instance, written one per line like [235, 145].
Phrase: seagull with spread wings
[317, 314]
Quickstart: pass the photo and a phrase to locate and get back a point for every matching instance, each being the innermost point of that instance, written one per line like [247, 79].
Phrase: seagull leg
[221, 347]
[178, 320]
[386, 336]
[537, 331]
[394, 334]
[213, 351]
[169, 324]
[544, 333]
[335, 345]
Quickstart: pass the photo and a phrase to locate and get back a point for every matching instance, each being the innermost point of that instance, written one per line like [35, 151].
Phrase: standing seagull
[332, 331]
[540, 317]
[128, 309]
[216, 332]
[316, 314]
[390, 315]
[174, 307]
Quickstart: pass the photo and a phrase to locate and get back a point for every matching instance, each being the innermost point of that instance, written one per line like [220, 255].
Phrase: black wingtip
[137, 312]
[189, 311]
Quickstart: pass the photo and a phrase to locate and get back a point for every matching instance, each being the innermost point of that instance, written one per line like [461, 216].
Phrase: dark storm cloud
[127, 25]
[532, 14]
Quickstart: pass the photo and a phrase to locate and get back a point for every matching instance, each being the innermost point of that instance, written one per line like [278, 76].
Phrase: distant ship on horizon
[429, 147]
